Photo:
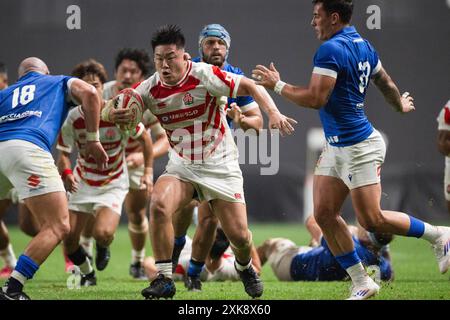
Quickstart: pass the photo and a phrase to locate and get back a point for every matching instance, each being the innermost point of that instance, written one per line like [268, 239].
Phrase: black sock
[78, 257]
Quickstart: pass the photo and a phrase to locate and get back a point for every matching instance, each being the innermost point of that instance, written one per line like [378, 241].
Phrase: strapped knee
[139, 228]
[247, 244]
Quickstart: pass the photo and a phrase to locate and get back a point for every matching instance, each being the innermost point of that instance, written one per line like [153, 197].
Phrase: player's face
[127, 74]
[3, 81]
[95, 81]
[170, 63]
[322, 23]
[214, 51]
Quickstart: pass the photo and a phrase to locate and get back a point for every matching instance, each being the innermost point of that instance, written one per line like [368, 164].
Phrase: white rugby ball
[132, 100]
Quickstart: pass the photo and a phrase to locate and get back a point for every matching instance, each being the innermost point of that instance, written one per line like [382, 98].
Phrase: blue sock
[416, 228]
[26, 266]
[195, 268]
[347, 260]
[180, 241]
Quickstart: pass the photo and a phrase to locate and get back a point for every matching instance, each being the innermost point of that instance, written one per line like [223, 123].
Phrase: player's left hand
[407, 103]
[282, 123]
[235, 113]
[147, 180]
[96, 151]
[266, 77]
[135, 160]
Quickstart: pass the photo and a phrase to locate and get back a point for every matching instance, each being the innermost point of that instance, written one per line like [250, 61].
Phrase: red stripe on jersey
[61, 141]
[182, 114]
[81, 124]
[447, 115]
[110, 160]
[160, 91]
[102, 172]
[99, 183]
[225, 79]
[134, 86]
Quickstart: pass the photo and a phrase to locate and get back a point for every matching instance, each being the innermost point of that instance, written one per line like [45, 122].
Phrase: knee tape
[139, 228]
[246, 245]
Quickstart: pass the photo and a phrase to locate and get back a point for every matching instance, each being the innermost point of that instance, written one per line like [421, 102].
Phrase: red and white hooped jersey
[194, 122]
[113, 140]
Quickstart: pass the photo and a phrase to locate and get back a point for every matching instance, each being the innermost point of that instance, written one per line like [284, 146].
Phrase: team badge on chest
[188, 99]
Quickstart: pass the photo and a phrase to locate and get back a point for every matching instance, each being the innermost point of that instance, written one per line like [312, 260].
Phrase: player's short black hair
[3, 68]
[140, 56]
[168, 34]
[88, 67]
[343, 7]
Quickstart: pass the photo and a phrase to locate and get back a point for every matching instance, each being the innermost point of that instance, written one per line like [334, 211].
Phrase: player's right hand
[407, 103]
[71, 183]
[95, 150]
[282, 123]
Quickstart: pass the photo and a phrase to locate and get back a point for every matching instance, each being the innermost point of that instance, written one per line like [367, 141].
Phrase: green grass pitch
[416, 274]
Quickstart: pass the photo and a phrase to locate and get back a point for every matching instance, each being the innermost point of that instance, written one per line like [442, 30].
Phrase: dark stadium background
[413, 43]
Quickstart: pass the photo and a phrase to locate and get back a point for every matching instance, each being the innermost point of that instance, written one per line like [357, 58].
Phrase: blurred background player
[33, 110]
[351, 161]
[99, 193]
[242, 112]
[131, 67]
[290, 262]
[219, 265]
[3, 76]
[443, 142]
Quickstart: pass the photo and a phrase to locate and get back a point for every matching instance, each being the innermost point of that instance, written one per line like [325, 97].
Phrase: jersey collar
[346, 30]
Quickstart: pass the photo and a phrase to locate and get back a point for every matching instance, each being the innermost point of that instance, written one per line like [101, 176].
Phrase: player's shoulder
[331, 47]
[233, 69]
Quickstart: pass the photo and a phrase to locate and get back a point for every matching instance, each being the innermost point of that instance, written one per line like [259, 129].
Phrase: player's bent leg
[76, 252]
[106, 222]
[201, 245]
[329, 195]
[366, 201]
[181, 221]
[169, 195]
[53, 214]
[135, 206]
[27, 222]
[233, 219]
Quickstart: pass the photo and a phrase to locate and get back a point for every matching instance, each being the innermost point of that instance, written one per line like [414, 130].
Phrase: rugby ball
[132, 100]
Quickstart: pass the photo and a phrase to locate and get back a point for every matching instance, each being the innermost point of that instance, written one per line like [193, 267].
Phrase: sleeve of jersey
[221, 83]
[65, 137]
[327, 60]
[143, 89]
[69, 98]
[137, 132]
[246, 103]
[376, 66]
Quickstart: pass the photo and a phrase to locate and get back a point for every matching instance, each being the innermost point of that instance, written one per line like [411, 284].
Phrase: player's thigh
[171, 194]
[232, 217]
[78, 221]
[366, 202]
[27, 221]
[49, 209]
[329, 194]
[106, 221]
[4, 205]
[206, 218]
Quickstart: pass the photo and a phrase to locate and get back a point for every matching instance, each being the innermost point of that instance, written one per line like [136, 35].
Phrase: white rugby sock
[137, 255]
[88, 244]
[357, 274]
[86, 267]
[164, 268]
[8, 256]
[431, 233]
[241, 267]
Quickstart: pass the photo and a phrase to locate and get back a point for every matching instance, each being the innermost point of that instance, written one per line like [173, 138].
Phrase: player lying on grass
[290, 262]
[219, 265]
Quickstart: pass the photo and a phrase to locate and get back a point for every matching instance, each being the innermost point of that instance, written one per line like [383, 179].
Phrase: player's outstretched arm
[277, 120]
[86, 94]
[314, 96]
[401, 103]
[64, 168]
[161, 145]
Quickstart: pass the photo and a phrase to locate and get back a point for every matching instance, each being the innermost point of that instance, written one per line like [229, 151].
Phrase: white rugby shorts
[29, 169]
[357, 165]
